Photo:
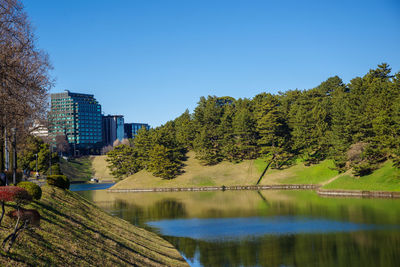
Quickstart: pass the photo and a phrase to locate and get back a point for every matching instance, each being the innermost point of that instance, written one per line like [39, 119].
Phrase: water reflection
[266, 228]
[234, 228]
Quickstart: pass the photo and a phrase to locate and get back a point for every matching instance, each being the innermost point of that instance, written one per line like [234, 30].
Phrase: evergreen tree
[123, 161]
[185, 130]
[244, 129]
[163, 163]
[272, 130]
[208, 114]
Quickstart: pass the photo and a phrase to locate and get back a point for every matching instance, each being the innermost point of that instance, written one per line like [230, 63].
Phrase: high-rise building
[77, 117]
[113, 128]
[131, 129]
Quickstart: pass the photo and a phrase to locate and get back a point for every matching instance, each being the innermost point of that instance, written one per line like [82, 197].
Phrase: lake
[265, 228]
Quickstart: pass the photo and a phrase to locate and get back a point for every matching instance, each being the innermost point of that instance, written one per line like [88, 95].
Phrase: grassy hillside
[301, 174]
[74, 232]
[84, 168]
[79, 169]
[195, 174]
[99, 167]
[226, 173]
[386, 178]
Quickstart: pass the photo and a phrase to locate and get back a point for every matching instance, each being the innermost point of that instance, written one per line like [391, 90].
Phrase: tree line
[355, 124]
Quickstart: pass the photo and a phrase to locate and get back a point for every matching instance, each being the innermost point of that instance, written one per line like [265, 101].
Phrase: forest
[357, 125]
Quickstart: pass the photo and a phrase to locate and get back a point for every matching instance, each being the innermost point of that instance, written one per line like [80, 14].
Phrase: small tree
[25, 218]
[15, 194]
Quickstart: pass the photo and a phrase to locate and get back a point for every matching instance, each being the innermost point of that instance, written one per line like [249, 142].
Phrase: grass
[84, 168]
[79, 169]
[99, 167]
[74, 232]
[386, 178]
[226, 173]
[247, 173]
[301, 174]
[197, 175]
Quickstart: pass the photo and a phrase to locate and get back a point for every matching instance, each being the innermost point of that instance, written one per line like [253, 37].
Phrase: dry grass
[99, 168]
[74, 232]
[195, 174]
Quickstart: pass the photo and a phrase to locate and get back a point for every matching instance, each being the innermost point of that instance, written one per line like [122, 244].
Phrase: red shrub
[14, 194]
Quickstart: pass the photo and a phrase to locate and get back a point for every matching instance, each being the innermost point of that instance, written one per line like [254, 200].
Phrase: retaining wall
[358, 193]
[216, 188]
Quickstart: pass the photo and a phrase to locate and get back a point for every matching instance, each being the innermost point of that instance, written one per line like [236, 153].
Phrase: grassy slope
[74, 232]
[195, 174]
[99, 167]
[225, 173]
[301, 174]
[79, 169]
[386, 178]
[84, 168]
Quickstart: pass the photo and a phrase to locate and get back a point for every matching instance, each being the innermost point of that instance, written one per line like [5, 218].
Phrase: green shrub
[362, 169]
[60, 181]
[33, 189]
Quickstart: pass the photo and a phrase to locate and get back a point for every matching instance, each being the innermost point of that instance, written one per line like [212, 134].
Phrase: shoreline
[357, 193]
[320, 192]
[219, 188]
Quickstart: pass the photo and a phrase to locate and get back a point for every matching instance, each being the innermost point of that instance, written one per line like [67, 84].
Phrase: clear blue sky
[151, 60]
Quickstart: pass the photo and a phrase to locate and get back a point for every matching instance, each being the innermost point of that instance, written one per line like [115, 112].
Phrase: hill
[386, 178]
[74, 232]
[227, 173]
[84, 168]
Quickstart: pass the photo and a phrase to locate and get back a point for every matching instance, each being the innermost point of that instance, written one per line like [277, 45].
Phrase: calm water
[85, 187]
[266, 228]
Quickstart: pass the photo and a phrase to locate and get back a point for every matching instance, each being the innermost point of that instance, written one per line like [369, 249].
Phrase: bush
[362, 169]
[15, 194]
[60, 181]
[33, 189]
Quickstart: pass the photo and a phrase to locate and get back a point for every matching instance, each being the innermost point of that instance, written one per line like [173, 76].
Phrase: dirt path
[334, 178]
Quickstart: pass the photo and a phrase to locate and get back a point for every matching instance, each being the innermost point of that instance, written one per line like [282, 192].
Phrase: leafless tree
[125, 141]
[62, 144]
[24, 74]
[116, 143]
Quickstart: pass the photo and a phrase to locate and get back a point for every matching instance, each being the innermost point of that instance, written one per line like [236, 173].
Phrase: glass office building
[113, 128]
[131, 129]
[76, 116]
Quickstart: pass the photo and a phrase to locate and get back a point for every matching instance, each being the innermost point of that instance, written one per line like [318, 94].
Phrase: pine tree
[244, 129]
[162, 162]
[123, 161]
[272, 130]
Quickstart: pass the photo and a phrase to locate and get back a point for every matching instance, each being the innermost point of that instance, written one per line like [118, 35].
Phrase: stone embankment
[358, 193]
[216, 188]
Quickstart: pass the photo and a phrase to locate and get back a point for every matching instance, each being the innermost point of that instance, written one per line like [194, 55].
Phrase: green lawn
[301, 174]
[386, 178]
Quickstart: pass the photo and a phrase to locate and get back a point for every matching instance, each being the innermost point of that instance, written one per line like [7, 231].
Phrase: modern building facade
[76, 116]
[131, 129]
[113, 128]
